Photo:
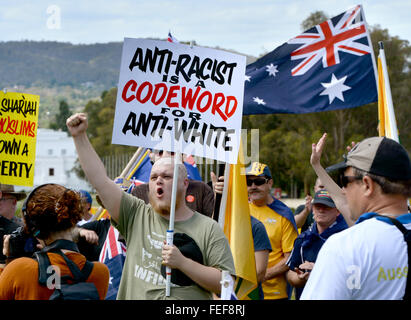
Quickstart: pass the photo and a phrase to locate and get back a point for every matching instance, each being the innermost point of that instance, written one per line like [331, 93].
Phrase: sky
[250, 27]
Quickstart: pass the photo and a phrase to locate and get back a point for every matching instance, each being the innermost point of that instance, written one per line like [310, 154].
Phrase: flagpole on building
[388, 96]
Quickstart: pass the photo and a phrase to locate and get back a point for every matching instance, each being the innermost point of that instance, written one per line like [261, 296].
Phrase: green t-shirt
[145, 231]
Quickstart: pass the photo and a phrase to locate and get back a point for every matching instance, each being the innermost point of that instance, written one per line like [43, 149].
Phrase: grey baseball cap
[323, 197]
[380, 156]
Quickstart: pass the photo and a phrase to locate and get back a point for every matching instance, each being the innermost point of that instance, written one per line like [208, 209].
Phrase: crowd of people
[342, 243]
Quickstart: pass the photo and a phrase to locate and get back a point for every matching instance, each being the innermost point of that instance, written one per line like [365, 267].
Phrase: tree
[60, 120]
[313, 19]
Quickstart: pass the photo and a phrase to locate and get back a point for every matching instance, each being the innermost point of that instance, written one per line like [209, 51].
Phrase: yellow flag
[383, 116]
[237, 228]
[387, 124]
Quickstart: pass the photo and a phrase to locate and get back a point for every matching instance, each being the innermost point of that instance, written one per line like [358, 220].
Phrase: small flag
[170, 38]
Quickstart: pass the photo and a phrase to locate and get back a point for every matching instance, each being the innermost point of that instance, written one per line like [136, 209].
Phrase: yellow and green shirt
[282, 234]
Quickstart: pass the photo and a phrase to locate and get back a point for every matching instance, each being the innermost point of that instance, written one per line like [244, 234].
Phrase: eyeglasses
[257, 181]
[345, 180]
[5, 199]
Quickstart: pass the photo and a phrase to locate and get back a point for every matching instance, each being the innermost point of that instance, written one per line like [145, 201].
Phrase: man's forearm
[96, 174]
[207, 277]
[90, 162]
[301, 217]
[279, 269]
[335, 192]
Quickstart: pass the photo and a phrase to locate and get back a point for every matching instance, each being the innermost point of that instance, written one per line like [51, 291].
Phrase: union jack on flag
[113, 256]
[330, 66]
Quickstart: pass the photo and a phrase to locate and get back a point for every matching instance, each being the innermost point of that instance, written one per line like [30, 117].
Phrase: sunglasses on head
[345, 180]
[257, 181]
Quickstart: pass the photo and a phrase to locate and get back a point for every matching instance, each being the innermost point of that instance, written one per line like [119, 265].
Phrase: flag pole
[371, 47]
[131, 162]
[219, 171]
[223, 203]
[170, 231]
[388, 96]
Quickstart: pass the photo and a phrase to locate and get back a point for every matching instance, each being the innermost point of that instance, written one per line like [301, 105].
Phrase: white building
[55, 159]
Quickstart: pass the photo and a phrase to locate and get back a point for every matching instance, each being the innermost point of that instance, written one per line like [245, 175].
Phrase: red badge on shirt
[190, 198]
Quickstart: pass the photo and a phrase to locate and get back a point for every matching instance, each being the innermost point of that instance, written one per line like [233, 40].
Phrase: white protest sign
[179, 98]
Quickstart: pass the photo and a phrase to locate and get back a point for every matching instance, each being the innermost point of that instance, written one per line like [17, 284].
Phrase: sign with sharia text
[19, 114]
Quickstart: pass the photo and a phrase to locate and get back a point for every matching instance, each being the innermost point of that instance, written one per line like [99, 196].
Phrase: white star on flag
[247, 78]
[272, 70]
[335, 88]
[258, 100]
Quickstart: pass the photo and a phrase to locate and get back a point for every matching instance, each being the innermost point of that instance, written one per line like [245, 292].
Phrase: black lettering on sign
[15, 169]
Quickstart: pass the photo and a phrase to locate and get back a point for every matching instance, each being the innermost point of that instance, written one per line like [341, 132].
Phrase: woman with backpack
[58, 271]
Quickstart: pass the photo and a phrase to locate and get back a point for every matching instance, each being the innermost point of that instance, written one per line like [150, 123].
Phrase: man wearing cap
[280, 225]
[8, 202]
[87, 201]
[8, 221]
[368, 260]
[328, 221]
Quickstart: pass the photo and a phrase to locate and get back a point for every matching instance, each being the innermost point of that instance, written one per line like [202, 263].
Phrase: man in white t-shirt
[368, 260]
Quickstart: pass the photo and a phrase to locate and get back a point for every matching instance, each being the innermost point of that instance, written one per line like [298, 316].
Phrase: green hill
[60, 70]
[28, 63]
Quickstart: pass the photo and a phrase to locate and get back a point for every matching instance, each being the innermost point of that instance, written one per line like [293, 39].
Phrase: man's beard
[164, 208]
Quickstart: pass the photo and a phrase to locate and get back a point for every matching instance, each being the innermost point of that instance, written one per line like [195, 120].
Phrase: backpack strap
[78, 275]
[407, 239]
[44, 262]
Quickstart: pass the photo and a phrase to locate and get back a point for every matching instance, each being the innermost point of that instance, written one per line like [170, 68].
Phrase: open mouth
[160, 192]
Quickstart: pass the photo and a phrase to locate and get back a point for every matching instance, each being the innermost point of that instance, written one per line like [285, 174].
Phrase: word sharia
[21, 106]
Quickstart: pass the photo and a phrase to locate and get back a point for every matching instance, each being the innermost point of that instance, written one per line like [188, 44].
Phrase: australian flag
[328, 67]
[113, 256]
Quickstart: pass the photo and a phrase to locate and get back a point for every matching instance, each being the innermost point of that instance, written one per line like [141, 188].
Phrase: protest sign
[18, 134]
[182, 98]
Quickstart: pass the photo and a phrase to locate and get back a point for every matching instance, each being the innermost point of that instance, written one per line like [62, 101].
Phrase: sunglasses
[345, 180]
[257, 181]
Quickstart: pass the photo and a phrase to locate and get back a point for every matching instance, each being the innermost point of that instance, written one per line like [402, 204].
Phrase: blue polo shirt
[308, 245]
[261, 242]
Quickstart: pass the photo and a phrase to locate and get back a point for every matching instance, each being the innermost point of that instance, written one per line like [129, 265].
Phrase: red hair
[52, 208]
